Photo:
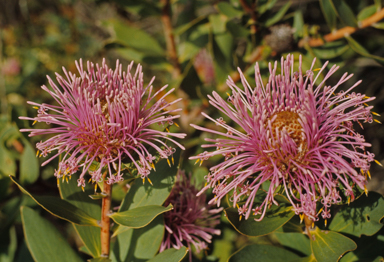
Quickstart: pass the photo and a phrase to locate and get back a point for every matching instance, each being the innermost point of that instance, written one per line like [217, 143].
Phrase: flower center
[289, 121]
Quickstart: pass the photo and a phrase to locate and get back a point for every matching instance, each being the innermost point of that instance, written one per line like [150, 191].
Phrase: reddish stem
[105, 220]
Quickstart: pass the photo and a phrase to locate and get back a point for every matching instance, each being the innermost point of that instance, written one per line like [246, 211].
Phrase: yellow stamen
[349, 200]
[316, 69]
[176, 124]
[325, 222]
[313, 224]
[169, 163]
[153, 166]
[301, 218]
[377, 121]
[369, 174]
[321, 209]
[143, 180]
[377, 162]
[205, 184]
[241, 216]
[173, 161]
[376, 114]
[197, 161]
[228, 94]
[82, 188]
[66, 179]
[365, 104]
[58, 182]
[149, 180]
[89, 181]
[34, 122]
[167, 129]
[95, 187]
[37, 153]
[35, 107]
[237, 205]
[201, 162]
[365, 190]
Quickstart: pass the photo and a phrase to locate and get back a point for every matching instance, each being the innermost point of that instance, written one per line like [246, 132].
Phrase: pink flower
[103, 115]
[191, 221]
[295, 134]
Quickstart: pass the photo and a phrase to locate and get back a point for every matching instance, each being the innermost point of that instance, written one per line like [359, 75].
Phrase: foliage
[211, 39]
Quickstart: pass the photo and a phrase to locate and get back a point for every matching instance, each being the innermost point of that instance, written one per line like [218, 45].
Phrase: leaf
[278, 16]
[378, 5]
[61, 208]
[44, 241]
[8, 245]
[218, 22]
[74, 194]
[228, 10]
[7, 163]
[263, 253]
[139, 245]
[361, 50]
[330, 246]
[140, 216]
[362, 216]
[265, 5]
[29, 165]
[368, 248]
[366, 12]
[295, 241]
[162, 179]
[344, 12]
[170, 255]
[275, 217]
[331, 50]
[99, 259]
[329, 13]
[378, 26]
[298, 24]
[135, 38]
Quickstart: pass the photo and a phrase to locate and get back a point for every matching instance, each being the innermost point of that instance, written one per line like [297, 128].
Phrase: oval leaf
[44, 241]
[90, 236]
[140, 216]
[263, 253]
[29, 165]
[162, 182]
[278, 16]
[170, 255]
[139, 244]
[61, 208]
[330, 246]
[362, 216]
[275, 217]
[329, 13]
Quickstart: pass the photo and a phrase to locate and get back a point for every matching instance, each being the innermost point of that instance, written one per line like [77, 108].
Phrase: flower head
[104, 115]
[295, 134]
[192, 220]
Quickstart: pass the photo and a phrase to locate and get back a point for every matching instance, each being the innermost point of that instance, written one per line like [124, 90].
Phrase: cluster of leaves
[212, 39]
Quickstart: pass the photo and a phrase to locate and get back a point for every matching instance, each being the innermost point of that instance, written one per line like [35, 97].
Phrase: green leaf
[274, 218]
[361, 50]
[228, 10]
[298, 24]
[44, 241]
[61, 208]
[7, 162]
[330, 246]
[296, 241]
[139, 245]
[278, 16]
[344, 12]
[218, 22]
[8, 245]
[368, 248]
[378, 5]
[265, 5]
[366, 12]
[331, 50]
[263, 253]
[29, 165]
[170, 255]
[162, 179]
[329, 13]
[140, 216]
[378, 26]
[74, 194]
[135, 38]
[362, 216]
[99, 259]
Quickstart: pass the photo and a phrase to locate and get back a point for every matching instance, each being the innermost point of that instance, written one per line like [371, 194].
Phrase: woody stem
[105, 220]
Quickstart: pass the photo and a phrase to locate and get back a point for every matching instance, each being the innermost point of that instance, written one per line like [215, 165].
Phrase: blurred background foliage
[190, 45]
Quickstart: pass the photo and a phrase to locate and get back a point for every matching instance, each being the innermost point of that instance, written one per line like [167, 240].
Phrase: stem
[105, 220]
[308, 225]
[343, 31]
[169, 38]
[251, 11]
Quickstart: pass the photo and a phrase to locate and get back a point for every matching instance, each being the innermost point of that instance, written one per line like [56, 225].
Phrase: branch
[250, 10]
[169, 38]
[348, 30]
